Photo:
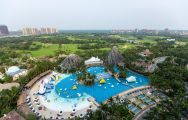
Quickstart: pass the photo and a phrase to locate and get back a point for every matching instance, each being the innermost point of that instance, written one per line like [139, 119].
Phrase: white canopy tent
[93, 60]
[131, 79]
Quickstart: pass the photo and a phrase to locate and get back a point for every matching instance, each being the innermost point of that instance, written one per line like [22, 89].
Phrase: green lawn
[74, 38]
[51, 49]
[126, 46]
[151, 39]
[180, 43]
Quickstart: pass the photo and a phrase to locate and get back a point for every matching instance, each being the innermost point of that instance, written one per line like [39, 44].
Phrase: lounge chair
[130, 105]
[27, 100]
[157, 99]
[132, 99]
[137, 102]
[151, 102]
[81, 115]
[30, 106]
[136, 111]
[141, 96]
[29, 103]
[142, 105]
[148, 101]
[151, 96]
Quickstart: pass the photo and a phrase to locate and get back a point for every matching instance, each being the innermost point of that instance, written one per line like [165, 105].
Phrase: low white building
[93, 61]
[15, 72]
[171, 39]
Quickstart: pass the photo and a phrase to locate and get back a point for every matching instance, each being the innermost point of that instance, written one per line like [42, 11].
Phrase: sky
[95, 14]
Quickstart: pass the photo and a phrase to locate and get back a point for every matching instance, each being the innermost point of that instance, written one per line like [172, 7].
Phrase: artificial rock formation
[114, 57]
[71, 61]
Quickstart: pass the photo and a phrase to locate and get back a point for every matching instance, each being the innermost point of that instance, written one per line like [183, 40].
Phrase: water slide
[42, 89]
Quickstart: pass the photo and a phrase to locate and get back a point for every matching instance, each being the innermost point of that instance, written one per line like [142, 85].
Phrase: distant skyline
[94, 14]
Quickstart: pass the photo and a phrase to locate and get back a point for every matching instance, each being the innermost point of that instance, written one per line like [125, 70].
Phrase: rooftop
[13, 115]
[93, 60]
[145, 52]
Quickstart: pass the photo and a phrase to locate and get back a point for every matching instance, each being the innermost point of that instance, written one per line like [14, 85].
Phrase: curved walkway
[138, 115]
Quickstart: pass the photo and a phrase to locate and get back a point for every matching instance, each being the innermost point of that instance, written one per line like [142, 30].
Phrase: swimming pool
[98, 91]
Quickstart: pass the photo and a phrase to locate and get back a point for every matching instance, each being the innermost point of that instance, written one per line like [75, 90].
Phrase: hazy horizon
[95, 15]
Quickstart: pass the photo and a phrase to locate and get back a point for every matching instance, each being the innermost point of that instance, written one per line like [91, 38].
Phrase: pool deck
[46, 112]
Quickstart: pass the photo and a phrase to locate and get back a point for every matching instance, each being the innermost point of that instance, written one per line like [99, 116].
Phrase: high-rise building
[30, 31]
[4, 30]
[49, 30]
[35, 31]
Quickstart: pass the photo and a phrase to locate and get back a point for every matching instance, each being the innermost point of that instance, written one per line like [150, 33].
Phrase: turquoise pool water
[99, 92]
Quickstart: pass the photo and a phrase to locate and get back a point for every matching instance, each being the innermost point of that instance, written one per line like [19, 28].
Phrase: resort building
[15, 72]
[93, 61]
[170, 40]
[36, 31]
[49, 30]
[145, 53]
[13, 115]
[150, 66]
[30, 31]
[4, 30]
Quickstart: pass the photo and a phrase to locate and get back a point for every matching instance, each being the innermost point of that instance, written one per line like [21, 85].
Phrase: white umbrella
[36, 99]
[38, 104]
[51, 118]
[60, 113]
[28, 97]
[73, 110]
[40, 114]
[27, 100]
[81, 115]
[90, 107]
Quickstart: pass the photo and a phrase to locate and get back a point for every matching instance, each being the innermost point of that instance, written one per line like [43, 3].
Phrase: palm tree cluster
[122, 72]
[8, 100]
[86, 78]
